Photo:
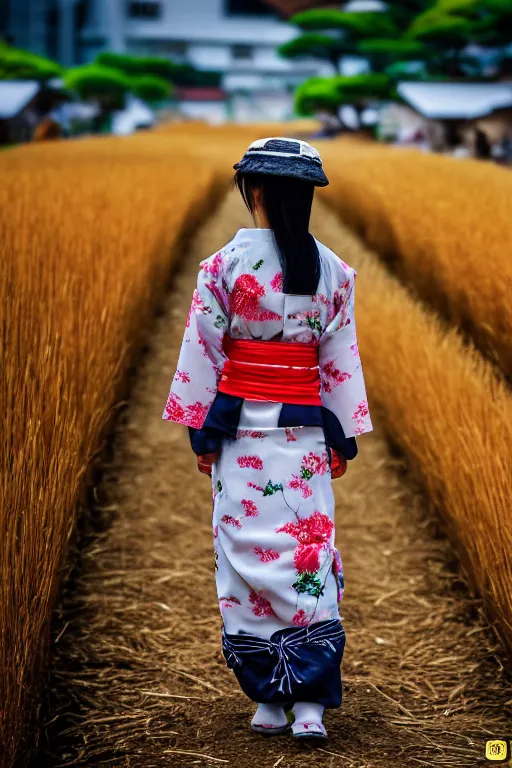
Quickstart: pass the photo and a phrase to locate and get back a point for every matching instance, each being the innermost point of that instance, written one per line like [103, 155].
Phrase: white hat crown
[283, 146]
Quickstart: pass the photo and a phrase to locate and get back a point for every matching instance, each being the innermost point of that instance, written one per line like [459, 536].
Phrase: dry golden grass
[445, 225]
[443, 405]
[88, 233]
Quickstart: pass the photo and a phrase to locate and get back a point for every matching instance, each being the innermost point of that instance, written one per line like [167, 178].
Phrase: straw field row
[89, 231]
[444, 225]
[444, 406]
[445, 229]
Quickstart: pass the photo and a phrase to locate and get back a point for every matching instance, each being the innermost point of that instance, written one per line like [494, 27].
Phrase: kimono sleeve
[342, 381]
[201, 358]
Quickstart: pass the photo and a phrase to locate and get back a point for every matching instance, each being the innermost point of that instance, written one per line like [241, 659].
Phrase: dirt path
[139, 679]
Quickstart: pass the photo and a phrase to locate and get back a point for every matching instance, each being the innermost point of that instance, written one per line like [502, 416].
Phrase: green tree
[105, 85]
[420, 39]
[316, 44]
[328, 93]
[448, 27]
[166, 69]
[317, 94]
[332, 34]
[17, 64]
[138, 65]
[151, 88]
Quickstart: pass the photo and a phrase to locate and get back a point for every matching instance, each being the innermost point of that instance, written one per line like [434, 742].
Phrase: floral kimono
[279, 576]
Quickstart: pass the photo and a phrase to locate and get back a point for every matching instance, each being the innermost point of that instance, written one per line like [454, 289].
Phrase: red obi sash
[275, 371]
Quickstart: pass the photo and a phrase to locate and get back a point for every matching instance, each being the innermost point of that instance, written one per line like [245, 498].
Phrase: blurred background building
[238, 38]
[431, 73]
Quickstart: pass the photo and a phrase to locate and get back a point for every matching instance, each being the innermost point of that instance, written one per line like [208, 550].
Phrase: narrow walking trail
[138, 676]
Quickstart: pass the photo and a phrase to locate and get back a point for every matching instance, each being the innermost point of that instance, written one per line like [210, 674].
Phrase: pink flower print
[332, 377]
[362, 410]
[250, 433]
[219, 293]
[228, 602]
[260, 605]
[359, 416]
[267, 314]
[355, 349]
[173, 408]
[216, 532]
[197, 305]
[213, 266]
[255, 486]
[310, 319]
[196, 414]
[339, 297]
[320, 298]
[301, 618]
[251, 510]
[230, 520]
[312, 464]
[182, 376]
[277, 282]
[299, 484]
[290, 436]
[266, 555]
[315, 529]
[306, 558]
[253, 462]
[202, 343]
[247, 292]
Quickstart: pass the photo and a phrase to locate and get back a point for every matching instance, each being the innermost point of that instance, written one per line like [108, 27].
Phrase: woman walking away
[270, 384]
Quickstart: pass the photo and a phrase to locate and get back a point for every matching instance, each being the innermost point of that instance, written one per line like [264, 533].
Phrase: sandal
[270, 730]
[309, 731]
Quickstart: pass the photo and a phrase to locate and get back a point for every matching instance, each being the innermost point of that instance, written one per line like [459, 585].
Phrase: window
[176, 48]
[144, 10]
[248, 8]
[242, 52]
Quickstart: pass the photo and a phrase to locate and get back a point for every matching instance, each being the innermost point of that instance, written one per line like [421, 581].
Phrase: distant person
[270, 384]
[483, 150]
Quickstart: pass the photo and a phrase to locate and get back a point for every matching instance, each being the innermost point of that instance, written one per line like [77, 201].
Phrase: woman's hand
[205, 461]
[338, 464]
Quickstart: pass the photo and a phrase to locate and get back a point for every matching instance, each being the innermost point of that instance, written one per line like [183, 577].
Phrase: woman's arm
[343, 387]
[201, 358]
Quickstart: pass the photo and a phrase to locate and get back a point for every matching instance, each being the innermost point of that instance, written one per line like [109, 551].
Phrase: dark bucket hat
[278, 156]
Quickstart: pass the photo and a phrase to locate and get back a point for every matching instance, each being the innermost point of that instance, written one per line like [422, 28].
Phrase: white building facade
[236, 37]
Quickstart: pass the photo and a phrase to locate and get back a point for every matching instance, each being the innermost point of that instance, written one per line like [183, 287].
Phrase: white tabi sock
[308, 712]
[269, 714]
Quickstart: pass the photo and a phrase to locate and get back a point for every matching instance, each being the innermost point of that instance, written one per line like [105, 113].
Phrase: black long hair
[287, 204]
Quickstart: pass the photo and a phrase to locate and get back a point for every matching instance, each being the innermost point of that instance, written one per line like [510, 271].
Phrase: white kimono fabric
[279, 576]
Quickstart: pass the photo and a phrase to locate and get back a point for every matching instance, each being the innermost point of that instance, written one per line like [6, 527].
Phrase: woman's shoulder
[229, 253]
[334, 265]
[235, 256]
